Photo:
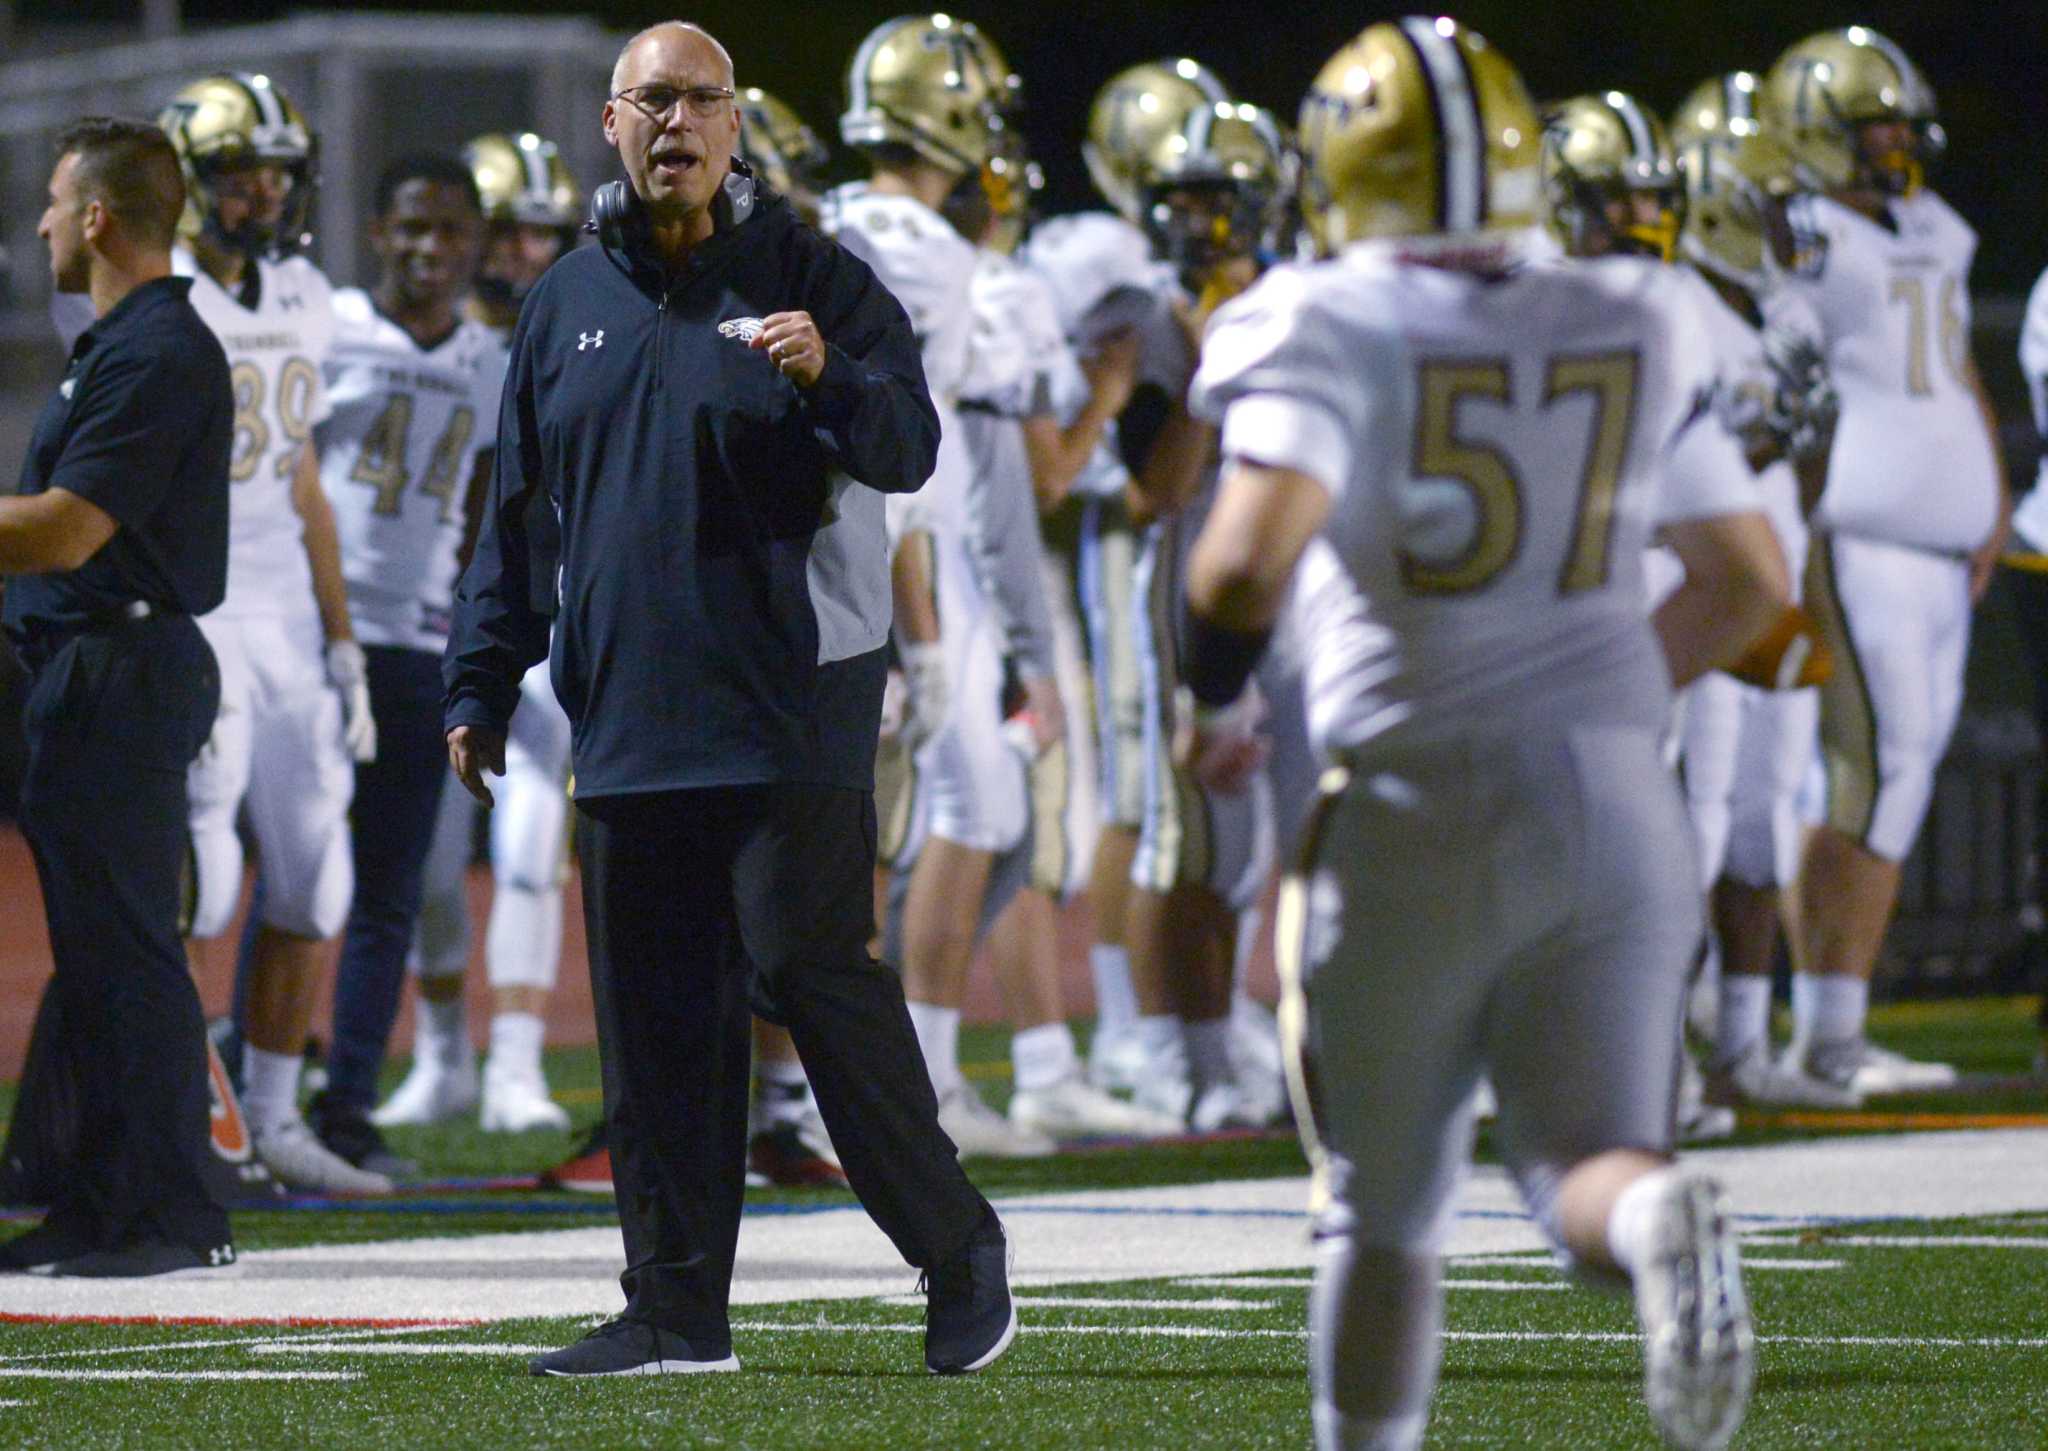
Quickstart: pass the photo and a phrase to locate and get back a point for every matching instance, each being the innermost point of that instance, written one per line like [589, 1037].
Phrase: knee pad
[216, 878]
[530, 830]
[523, 944]
[312, 900]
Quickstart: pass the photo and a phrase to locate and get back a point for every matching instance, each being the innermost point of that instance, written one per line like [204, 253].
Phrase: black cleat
[969, 1318]
[41, 1248]
[347, 1130]
[629, 1347]
[132, 1262]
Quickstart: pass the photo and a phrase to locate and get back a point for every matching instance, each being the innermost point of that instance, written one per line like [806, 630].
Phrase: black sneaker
[152, 1257]
[969, 1318]
[40, 1248]
[630, 1347]
[348, 1132]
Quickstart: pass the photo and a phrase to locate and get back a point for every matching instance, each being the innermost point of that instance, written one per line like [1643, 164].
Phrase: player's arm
[1238, 571]
[1984, 558]
[1736, 588]
[1057, 454]
[323, 545]
[51, 532]
[913, 592]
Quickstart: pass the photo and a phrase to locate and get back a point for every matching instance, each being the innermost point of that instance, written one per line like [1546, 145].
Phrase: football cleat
[1116, 1060]
[627, 1347]
[1822, 93]
[1228, 1105]
[1699, 1348]
[517, 1103]
[1867, 1070]
[1697, 1119]
[298, 1160]
[781, 1155]
[1420, 130]
[1610, 177]
[234, 122]
[978, 1131]
[1754, 1080]
[433, 1092]
[588, 1171]
[1073, 1108]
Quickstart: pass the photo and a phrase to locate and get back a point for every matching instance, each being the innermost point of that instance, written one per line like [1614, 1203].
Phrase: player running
[1465, 447]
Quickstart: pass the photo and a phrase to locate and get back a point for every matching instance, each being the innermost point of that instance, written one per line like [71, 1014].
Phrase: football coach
[117, 536]
[699, 421]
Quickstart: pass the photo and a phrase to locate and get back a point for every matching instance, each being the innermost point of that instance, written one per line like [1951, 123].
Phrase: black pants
[703, 906]
[113, 719]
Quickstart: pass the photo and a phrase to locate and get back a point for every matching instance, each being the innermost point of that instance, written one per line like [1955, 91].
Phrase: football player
[295, 702]
[2027, 561]
[414, 387]
[1032, 416]
[1500, 874]
[929, 99]
[1910, 520]
[1749, 735]
[532, 209]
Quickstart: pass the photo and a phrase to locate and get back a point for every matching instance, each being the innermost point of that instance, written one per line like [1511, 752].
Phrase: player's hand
[349, 673]
[1221, 748]
[1112, 370]
[473, 750]
[1040, 722]
[924, 672]
[793, 345]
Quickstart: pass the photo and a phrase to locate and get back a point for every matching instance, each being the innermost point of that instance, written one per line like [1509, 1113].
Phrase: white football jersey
[1742, 396]
[1019, 362]
[927, 265]
[396, 457]
[2030, 519]
[1912, 462]
[1496, 450]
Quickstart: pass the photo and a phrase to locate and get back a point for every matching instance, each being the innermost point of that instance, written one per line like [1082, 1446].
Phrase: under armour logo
[746, 329]
[590, 340]
[221, 1254]
[64, 388]
[290, 302]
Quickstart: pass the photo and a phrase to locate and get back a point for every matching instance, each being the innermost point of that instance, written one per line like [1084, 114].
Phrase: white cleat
[518, 1103]
[1699, 1348]
[298, 1160]
[1868, 1070]
[978, 1131]
[1697, 1118]
[1228, 1105]
[1255, 1040]
[1116, 1060]
[1073, 1108]
[433, 1092]
[1755, 1079]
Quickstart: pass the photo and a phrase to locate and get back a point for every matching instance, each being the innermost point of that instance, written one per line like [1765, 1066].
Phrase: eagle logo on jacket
[746, 329]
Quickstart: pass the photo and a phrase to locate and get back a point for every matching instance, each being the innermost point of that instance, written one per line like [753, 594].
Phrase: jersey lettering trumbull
[1496, 451]
[1912, 462]
[396, 456]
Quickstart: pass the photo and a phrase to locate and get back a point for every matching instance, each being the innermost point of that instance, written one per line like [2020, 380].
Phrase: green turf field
[1877, 1330]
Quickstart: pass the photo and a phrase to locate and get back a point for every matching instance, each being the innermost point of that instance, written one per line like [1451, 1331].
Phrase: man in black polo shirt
[700, 420]
[116, 538]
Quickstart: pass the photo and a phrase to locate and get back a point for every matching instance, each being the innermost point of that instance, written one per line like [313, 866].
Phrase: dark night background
[1988, 64]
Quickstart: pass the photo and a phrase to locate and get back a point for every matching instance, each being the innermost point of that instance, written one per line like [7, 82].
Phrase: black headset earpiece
[617, 216]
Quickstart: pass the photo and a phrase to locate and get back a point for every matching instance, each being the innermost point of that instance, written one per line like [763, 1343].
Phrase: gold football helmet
[522, 178]
[780, 147]
[1826, 89]
[1604, 157]
[934, 84]
[1722, 106]
[1419, 129]
[1136, 126]
[230, 122]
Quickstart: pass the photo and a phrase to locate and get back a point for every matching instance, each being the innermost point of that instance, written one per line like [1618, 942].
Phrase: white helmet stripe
[1738, 101]
[265, 97]
[1640, 141]
[857, 100]
[1464, 143]
[536, 169]
[1910, 79]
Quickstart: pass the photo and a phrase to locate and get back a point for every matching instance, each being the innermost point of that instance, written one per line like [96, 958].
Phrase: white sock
[515, 1044]
[440, 1031]
[782, 1094]
[1745, 1017]
[270, 1087]
[1116, 1002]
[1828, 1007]
[1158, 1034]
[1208, 1052]
[1250, 923]
[1630, 1224]
[938, 1035]
[1042, 1056]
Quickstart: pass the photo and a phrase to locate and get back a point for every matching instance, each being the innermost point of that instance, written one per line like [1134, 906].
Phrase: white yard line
[329, 1347]
[40, 1372]
[273, 1339]
[1247, 1282]
[1902, 1241]
[1085, 1302]
[1752, 1263]
[1202, 1332]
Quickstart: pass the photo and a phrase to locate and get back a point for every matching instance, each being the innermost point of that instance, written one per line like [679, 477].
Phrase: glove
[349, 674]
[924, 672]
[1790, 655]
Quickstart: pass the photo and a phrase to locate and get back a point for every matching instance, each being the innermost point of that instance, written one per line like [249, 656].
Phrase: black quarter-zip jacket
[704, 539]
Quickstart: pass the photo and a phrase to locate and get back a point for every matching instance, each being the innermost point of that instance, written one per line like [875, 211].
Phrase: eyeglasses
[659, 103]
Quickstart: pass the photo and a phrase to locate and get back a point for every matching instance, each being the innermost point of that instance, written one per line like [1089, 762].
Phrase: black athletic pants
[702, 907]
[113, 719]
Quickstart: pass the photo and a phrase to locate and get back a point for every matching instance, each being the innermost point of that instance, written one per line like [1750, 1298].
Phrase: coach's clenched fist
[793, 345]
[473, 750]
